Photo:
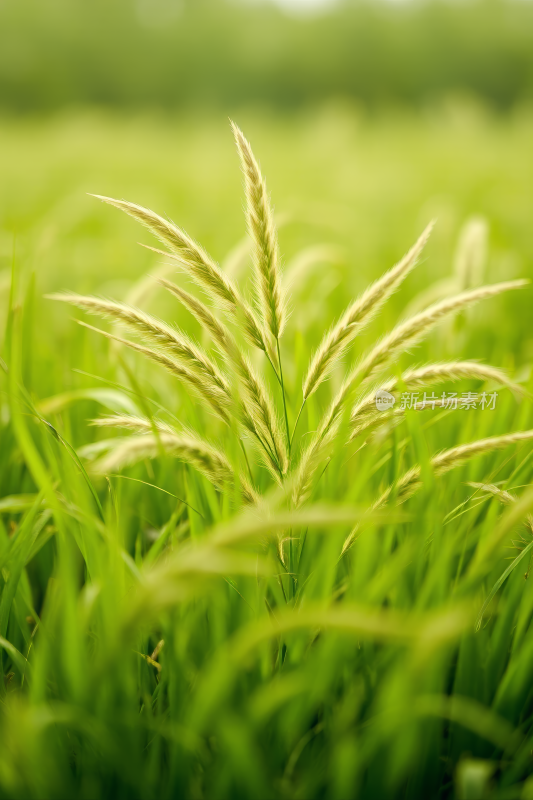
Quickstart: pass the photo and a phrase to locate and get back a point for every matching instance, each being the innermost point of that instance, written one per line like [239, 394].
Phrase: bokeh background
[221, 54]
[369, 118]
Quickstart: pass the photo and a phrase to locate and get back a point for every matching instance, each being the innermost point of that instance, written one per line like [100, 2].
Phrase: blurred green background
[222, 54]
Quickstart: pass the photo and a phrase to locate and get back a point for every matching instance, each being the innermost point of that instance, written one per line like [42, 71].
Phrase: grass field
[161, 635]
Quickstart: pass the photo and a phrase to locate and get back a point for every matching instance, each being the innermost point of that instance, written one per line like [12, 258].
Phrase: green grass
[319, 675]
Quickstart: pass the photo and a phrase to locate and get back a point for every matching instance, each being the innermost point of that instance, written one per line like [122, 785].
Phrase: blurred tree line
[177, 53]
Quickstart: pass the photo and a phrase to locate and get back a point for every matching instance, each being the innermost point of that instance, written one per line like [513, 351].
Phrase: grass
[230, 585]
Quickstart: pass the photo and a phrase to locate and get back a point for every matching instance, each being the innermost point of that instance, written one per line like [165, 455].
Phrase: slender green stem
[159, 489]
[245, 458]
[282, 587]
[266, 447]
[296, 423]
[284, 400]
[68, 447]
[280, 380]
[291, 579]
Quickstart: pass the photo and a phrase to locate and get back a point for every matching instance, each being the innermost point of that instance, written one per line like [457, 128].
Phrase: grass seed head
[270, 292]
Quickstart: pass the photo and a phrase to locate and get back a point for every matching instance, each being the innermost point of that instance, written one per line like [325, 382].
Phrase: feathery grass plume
[407, 334]
[216, 399]
[412, 330]
[170, 340]
[193, 257]
[441, 463]
[357, 315]
[507, 499]
[239, 310]
[393, 417]
[258, 416]
[197, 263]
[449, 459]
[142, 425]
[491, 489]
[129, 422]
[503, 496]
[201, 453]
[263, 415]
[218, 332]
[427, 376]
[262, 444]
[404, 335]
[257, 412]
[205, 458]
[270, 292]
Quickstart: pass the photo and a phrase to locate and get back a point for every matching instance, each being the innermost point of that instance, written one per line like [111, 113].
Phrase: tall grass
[251, 582]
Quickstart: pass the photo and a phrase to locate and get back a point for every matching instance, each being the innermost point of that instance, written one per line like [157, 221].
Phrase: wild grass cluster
[248, 580]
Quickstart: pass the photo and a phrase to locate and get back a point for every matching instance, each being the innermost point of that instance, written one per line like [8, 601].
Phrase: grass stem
[284, 400]
[296, 423]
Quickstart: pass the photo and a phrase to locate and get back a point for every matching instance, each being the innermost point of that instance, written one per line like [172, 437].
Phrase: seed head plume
[410, 332]
[449, 459]
[365, 409]
[197, 263]
[193, 257]
[259, 409]
[188, 447]
[229, 384]
[441, 463]
[401, 337]
[257, 412]
[370, 422]
[129, 422]
[271, 296]
[218, 332]
[216, 399]
[503, 496]
[357, 315]
[170, 340]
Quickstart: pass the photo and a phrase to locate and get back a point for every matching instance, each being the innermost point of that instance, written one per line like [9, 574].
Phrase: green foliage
[174, 54]
[158, 636]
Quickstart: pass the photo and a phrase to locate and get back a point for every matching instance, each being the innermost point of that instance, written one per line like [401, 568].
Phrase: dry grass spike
[270, 293]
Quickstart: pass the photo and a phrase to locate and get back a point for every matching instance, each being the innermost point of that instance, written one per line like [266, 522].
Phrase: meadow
[224, 573]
